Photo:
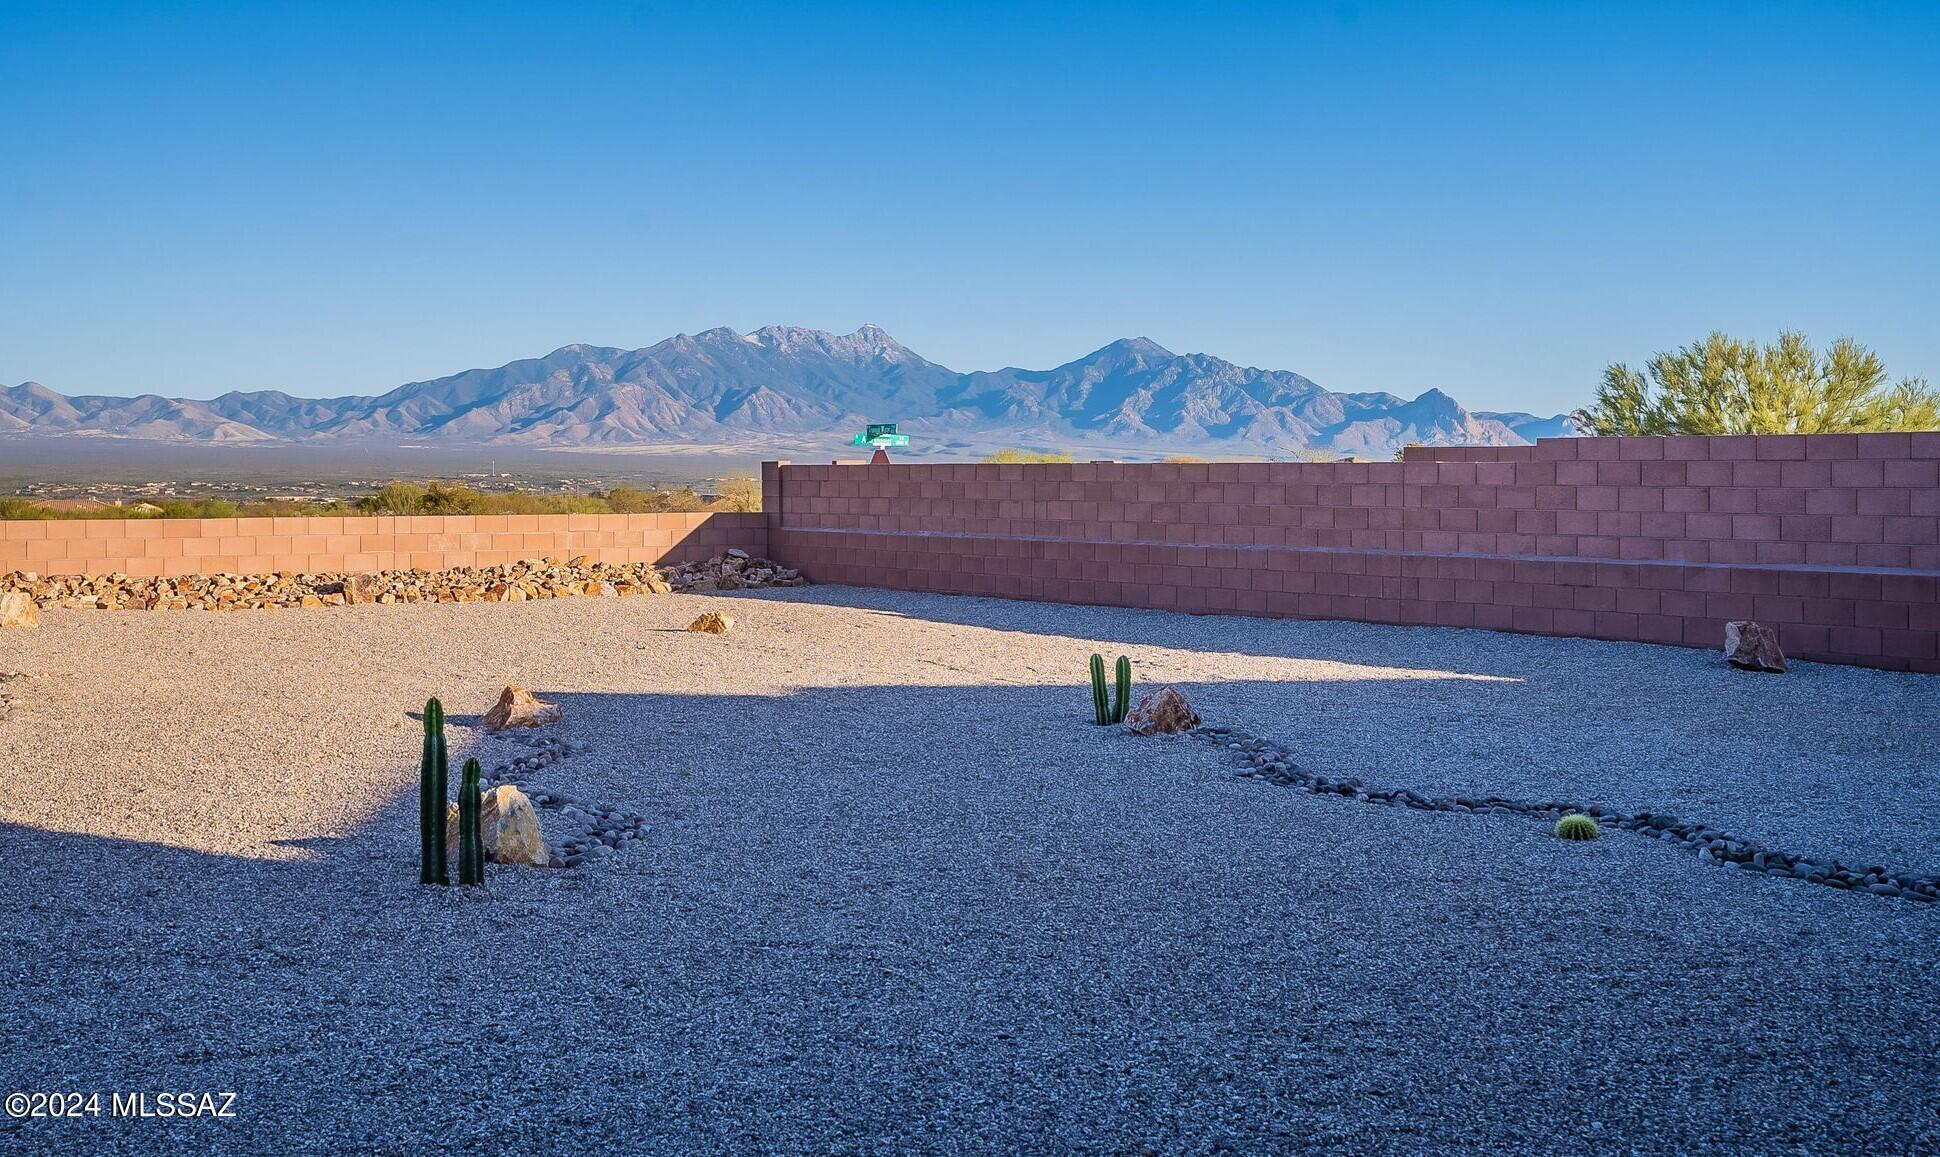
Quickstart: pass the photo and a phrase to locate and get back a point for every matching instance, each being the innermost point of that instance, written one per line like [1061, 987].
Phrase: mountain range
[782, 386]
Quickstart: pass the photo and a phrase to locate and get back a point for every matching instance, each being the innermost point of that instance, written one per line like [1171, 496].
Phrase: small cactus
[1107, 709]
[1577, 826]
[431, 798]
[471, 840]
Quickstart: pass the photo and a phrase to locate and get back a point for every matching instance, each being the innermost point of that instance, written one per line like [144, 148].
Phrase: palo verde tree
[1724, 386]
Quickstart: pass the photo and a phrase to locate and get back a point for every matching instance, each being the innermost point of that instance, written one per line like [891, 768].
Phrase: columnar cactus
[432, 768]
[471, 840]
[1109, 709]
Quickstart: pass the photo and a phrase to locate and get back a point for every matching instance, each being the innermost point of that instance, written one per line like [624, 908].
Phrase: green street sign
[881, 434]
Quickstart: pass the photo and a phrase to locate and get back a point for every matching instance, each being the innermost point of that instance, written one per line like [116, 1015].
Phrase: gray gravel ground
[900, 895]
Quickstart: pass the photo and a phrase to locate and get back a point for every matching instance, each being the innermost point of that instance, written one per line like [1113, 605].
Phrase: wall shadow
[1458, 650]
[831, 868]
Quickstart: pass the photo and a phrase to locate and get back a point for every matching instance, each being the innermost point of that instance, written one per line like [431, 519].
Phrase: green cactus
[471, 840]
[1577, 826]
[431, 798]
[1107, 709]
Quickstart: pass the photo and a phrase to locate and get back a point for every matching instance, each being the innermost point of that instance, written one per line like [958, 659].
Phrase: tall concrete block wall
[1833, 539]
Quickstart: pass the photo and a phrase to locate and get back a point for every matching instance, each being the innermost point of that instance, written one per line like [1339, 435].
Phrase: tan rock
[712, 623]
[1753, 646]
[1164, 712]
[509, 825]
[17, 609]
[519, 707]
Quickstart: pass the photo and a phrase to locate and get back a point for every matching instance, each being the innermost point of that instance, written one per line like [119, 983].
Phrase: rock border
[1274, 763]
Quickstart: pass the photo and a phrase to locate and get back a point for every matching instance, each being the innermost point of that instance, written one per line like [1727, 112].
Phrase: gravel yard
[899, 894]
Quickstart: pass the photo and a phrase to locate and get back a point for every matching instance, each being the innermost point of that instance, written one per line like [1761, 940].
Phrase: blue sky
[1496, 200]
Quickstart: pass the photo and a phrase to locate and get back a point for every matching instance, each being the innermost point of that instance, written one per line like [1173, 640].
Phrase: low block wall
[1833, 539]
[151, 547]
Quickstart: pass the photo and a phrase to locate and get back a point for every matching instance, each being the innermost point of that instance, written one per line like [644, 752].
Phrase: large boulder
[519, 707]
[712, 623]
[1752, 646]
[17, 609]
[1164, 712]
[361, 588]
[509, 825]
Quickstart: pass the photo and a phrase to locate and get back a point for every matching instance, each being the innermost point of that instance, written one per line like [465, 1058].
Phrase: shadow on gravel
[928, 917]
[1430, 649]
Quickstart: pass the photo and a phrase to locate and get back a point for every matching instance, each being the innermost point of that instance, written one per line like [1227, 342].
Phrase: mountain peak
[722, 388]
[1143, 347]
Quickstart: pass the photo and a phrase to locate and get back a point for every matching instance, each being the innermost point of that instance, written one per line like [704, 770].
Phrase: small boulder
[1163, 712]
[17, 609]
[509, 825]
[519, 707]
[712, 623]
[1753, 646]
[360, 588]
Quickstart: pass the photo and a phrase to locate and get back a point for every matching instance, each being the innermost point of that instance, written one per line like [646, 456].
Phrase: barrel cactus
[1577, 826]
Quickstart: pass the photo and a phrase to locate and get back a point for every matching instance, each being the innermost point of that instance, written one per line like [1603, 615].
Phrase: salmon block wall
[150, 547]
[1832, 539]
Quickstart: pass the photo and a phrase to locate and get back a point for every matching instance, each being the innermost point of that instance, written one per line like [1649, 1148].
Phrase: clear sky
[1495, 199]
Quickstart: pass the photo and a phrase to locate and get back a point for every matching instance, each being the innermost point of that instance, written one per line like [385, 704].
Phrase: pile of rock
[532, 578]
[733, 571]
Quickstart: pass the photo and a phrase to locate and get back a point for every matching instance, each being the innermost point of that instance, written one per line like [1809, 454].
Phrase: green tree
[1724, 386]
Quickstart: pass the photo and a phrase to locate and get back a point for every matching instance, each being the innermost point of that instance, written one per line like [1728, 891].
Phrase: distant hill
[785, 385]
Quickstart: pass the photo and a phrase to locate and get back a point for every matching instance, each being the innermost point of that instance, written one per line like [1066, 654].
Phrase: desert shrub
[741, 494]
[628, 500]
[1011, 456]
[394, 498]
[18, 508]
